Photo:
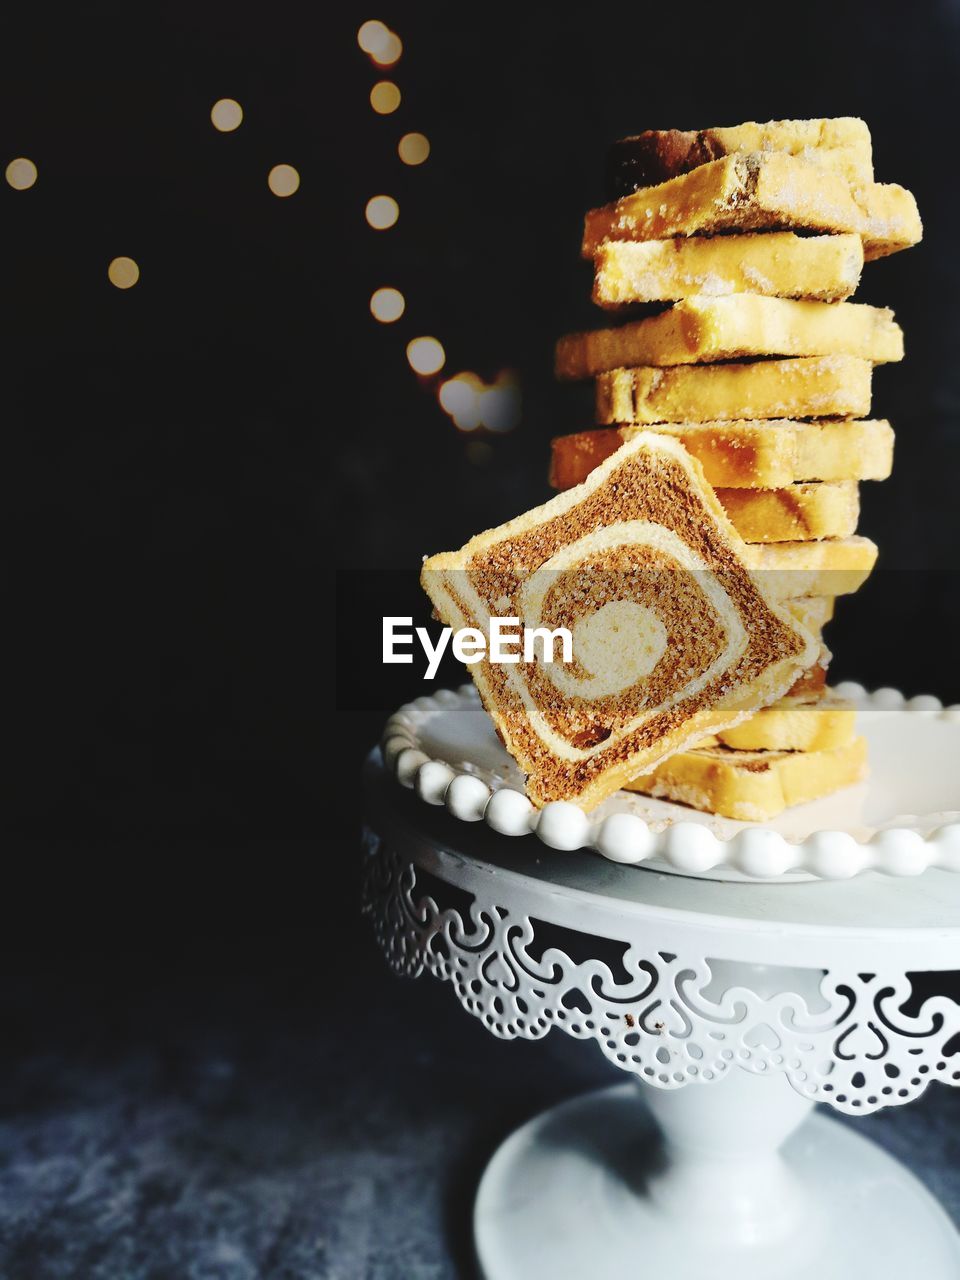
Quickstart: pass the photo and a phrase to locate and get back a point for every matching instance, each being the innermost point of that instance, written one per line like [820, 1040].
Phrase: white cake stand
[736, 1006]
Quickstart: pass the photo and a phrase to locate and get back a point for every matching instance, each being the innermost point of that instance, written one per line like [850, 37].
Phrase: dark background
[201, 475]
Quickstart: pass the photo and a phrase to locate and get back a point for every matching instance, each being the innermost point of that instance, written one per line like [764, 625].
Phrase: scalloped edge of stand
[681, 847]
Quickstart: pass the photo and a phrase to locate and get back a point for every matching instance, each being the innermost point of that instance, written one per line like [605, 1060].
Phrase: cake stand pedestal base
[733, 1007]
[590, 1188]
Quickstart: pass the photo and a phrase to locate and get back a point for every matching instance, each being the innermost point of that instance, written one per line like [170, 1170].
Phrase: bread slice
[811, 619]
[673, 638]
[815, 722]
[760, 191]
[753, 786]
[812, 612]
[834, 567]
[745, 455]
[794, 512]
[703, 329]
[779, 264]
[812, 681]
[798, 513]
[842, 145]
[813, 387]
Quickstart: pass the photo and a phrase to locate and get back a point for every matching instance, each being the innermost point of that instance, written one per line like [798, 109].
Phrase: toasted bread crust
[811, 722]
[842, 144]
[814, 387]
[759, 191]
[811, 682]
[704, 329]
[745, 455]
[797, 513]
[833, 567]
[812, 612]
[777, 264]
[754, 786]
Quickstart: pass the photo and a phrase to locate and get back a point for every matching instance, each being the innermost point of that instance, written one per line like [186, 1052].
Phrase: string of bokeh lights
[470, 402]
[226, 115]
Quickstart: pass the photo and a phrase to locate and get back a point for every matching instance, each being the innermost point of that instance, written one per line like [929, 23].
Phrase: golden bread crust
[754, 786]
[842, 144]
[812, 612]
[760, 191]
[814, 722]
[798, 513]
[833, 567]
[834, 386]
[743, 454]
[705, 329]
[777, 264]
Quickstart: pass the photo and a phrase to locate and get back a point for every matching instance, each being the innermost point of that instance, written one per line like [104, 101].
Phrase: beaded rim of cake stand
[689, 848]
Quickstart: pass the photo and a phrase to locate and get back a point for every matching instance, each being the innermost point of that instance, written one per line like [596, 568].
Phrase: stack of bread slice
[732, 253]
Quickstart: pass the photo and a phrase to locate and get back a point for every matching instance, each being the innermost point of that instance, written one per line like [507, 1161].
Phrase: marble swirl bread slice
[777, 264]
[760, 191]
[842, 144]
[812, 613]
[674, 637]
[704, 329]
[753, 786]
[742, 454]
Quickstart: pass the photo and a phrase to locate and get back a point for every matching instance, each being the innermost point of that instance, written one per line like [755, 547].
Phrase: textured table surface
[279, 1128]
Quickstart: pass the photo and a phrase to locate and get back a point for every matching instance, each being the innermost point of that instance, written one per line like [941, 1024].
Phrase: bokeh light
[387, 305]
[283, 180]
[21, 173]
[373, 36]
[226, 114]
[426, 356]
[123, 273]
[384, 97]
[460, 398]
[389, 51]
[499, 405]
[413, 148]
[472, 403]
[382, 212]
